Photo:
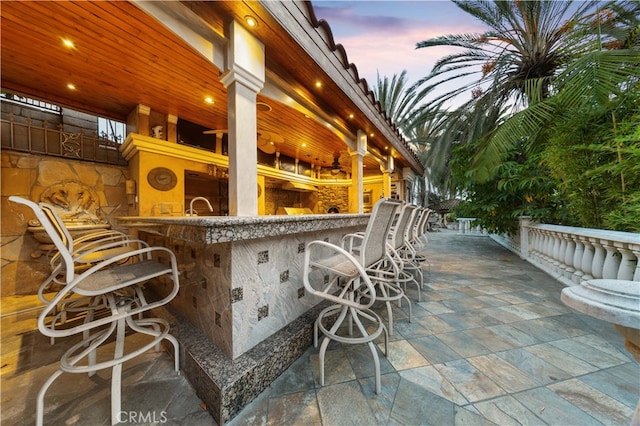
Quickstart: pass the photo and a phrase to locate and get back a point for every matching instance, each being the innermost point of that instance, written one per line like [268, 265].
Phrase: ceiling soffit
[124, 58]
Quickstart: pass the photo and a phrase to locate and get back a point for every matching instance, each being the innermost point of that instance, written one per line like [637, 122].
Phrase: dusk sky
[380, 36]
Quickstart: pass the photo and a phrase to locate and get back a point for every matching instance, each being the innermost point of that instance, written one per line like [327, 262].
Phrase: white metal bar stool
[117, 284]
[350, 288]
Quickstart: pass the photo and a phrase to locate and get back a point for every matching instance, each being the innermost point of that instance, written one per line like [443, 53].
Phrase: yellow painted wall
[149, 198]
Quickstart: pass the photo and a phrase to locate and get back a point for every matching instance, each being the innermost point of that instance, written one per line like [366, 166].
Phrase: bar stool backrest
[409, 230]
[423, 225]
[58, 224]
[59, 236]
[374, 242]
[398, 232]
[421, 216]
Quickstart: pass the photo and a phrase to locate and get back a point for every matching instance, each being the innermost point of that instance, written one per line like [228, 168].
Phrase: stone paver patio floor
[490, 343]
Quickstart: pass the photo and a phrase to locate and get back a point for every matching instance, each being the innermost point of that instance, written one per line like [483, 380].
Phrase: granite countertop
[216, 229]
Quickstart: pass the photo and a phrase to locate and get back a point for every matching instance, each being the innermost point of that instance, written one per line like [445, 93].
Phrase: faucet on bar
[190, 212]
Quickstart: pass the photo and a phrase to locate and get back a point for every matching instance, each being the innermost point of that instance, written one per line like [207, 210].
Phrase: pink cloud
[391, 53]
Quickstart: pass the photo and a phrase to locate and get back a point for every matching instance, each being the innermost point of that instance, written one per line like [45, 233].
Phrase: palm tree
[527, 40]
[604, 76]
[516, 62]
[396, 98]
[401, 104]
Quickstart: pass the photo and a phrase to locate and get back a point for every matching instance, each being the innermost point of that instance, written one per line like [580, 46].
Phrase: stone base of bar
[225, 385]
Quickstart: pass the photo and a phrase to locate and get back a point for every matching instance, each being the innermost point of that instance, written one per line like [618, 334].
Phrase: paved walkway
[490, 343]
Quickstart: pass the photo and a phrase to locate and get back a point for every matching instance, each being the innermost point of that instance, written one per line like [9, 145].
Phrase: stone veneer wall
[277, 197]
[28, 176]
[329, 196]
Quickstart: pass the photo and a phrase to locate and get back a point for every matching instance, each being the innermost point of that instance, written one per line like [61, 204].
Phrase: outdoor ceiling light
[68, 43]
[251, 21]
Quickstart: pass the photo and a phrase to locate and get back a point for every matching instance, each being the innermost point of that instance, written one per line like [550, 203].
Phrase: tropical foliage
[551, 126]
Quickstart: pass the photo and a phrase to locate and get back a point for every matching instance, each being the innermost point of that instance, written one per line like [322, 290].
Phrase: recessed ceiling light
[372, 135]
[251, 21]
[68, 43]
[351, 116]
[386, 147]
[209, 100]
[261, 106]
[304, 144]
[71, 86]
[318, 84]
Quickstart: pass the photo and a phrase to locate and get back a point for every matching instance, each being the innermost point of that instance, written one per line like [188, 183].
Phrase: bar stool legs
[86, 349]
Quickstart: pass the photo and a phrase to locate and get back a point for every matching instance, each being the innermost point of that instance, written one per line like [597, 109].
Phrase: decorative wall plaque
[162, 179]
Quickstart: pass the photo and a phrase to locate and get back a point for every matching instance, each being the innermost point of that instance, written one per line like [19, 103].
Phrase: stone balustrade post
[524, 222]
[611, 260]
[577, 260]
[635, 249]
[562, 251]
[568, 257]
[628, 263]
[598, 258]
[548, 247]
[555, 256]
[587, 259]
[534, 234]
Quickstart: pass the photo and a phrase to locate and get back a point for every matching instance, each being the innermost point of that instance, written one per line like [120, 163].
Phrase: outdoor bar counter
[241, 292]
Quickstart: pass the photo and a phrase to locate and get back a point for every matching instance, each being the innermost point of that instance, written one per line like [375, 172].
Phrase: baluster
[29, 143]
[12, 118]
[611, 260]
[535, 244]
[577, 260]
[555, 257]
[568, 256]
[45, 126]
[587, 259]
[61, 138]
[635, 249]
[548, 248]
[542, 247]
[598, 258]
[628, 264]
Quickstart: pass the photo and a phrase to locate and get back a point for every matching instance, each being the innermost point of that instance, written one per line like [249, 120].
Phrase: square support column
[356, 204]
[386, 177]
[243, 79]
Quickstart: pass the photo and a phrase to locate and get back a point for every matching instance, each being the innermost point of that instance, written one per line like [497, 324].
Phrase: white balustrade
[573, 255]
[464, 226]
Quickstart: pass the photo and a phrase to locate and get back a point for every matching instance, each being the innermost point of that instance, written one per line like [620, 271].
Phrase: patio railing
[572, 254]
[36, 139]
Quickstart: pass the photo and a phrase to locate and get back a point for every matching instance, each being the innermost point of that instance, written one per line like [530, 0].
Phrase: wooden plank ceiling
[123, 58]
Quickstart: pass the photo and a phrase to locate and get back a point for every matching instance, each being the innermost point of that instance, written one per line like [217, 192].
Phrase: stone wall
[31, 176]
[277, 197]
[329, 196]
